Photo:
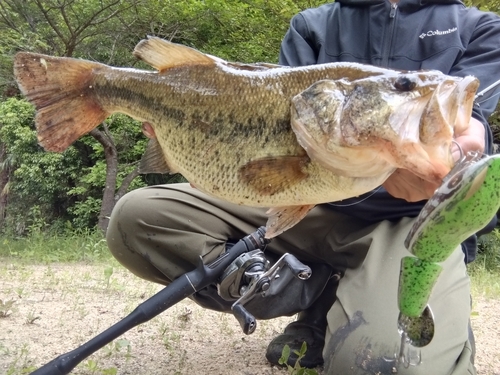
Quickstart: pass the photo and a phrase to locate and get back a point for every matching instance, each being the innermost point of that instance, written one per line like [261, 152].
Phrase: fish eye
[405, 83]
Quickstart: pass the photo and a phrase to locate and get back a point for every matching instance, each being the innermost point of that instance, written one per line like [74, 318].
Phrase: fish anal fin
[283, 218]
[153, 160]
[60, 125]
[271, 175]
[61, 90]
[163, 55]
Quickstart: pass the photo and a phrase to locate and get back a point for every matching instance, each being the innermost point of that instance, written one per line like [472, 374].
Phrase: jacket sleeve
[482, 59]
[296, 49]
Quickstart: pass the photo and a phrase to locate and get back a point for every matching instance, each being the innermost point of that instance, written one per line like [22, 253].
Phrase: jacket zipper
[394, 6]
[388, 39]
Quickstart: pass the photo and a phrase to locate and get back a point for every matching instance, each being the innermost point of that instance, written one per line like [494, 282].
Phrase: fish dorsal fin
[163, 55]
[153, 160]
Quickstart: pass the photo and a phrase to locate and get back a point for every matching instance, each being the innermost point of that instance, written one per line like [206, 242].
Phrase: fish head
[374, 125]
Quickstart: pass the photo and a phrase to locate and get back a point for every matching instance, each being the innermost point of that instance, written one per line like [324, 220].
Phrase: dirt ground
[59, 307]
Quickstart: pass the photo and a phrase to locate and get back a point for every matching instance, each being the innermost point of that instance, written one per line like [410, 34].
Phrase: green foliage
[240, 30]
[60, 190]
[485, 270]
[485, 5]
[94, 368]
[296, 369]
[65, 191]
[88, 187]
[35, 185]
[489, 252]
[484, 284]
[21, 364]
[108, 30]
[108, 272]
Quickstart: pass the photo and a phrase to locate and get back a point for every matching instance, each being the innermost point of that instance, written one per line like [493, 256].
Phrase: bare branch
[8, 22]
[50, 21]
[126, 183]
[62, 9]
[102, 138]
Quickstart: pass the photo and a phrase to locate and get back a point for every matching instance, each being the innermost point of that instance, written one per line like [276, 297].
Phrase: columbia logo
[437, 32]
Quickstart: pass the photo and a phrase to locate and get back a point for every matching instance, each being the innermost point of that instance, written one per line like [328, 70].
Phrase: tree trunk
[111, 156]
[4, 180]
[126, 183]
[109, 198]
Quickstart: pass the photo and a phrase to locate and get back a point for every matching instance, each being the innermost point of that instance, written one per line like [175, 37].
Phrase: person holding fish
[407, 35]
[346, 140]
[351, 327]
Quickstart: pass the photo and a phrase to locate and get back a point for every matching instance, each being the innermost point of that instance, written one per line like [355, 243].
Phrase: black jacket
[412, 35]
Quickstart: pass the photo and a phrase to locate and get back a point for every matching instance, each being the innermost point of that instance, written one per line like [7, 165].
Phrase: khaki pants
[159, 232]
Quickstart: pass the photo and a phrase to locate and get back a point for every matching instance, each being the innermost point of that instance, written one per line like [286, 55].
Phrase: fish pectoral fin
[153, 160]
[271, 175]
[163, 55]
[283, 218]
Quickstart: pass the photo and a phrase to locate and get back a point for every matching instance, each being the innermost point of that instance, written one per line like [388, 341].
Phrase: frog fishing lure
[467, 200]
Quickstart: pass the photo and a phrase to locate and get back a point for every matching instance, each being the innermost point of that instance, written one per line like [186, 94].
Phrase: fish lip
[467, 89]
[446, 114]
[453, 100]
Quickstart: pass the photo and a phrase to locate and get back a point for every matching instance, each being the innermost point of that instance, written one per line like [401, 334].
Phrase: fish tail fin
[61, 90]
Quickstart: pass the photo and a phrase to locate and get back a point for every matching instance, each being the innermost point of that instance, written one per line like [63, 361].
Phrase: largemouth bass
[227, 126]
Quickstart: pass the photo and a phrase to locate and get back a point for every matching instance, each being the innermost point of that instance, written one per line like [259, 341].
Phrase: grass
[485, 270]
[91, 247]
[50, 248]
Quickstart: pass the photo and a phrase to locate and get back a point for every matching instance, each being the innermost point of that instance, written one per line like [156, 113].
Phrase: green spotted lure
[466, 201]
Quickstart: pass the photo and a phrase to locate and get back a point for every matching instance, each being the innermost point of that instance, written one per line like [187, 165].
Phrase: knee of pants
[166, 227]
[124, 221]
[136, 241]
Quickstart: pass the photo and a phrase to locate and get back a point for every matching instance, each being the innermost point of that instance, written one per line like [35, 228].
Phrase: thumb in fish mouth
[148, 130]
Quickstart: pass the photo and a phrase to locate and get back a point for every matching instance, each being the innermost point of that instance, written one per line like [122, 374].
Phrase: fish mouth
[446, 115]
[448, 109]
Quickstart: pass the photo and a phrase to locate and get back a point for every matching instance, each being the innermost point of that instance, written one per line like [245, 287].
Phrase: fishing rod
[241, 273]
[481, 93]
[180, 288]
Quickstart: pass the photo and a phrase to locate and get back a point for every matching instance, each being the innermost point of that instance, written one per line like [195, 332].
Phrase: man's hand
[404, 184]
